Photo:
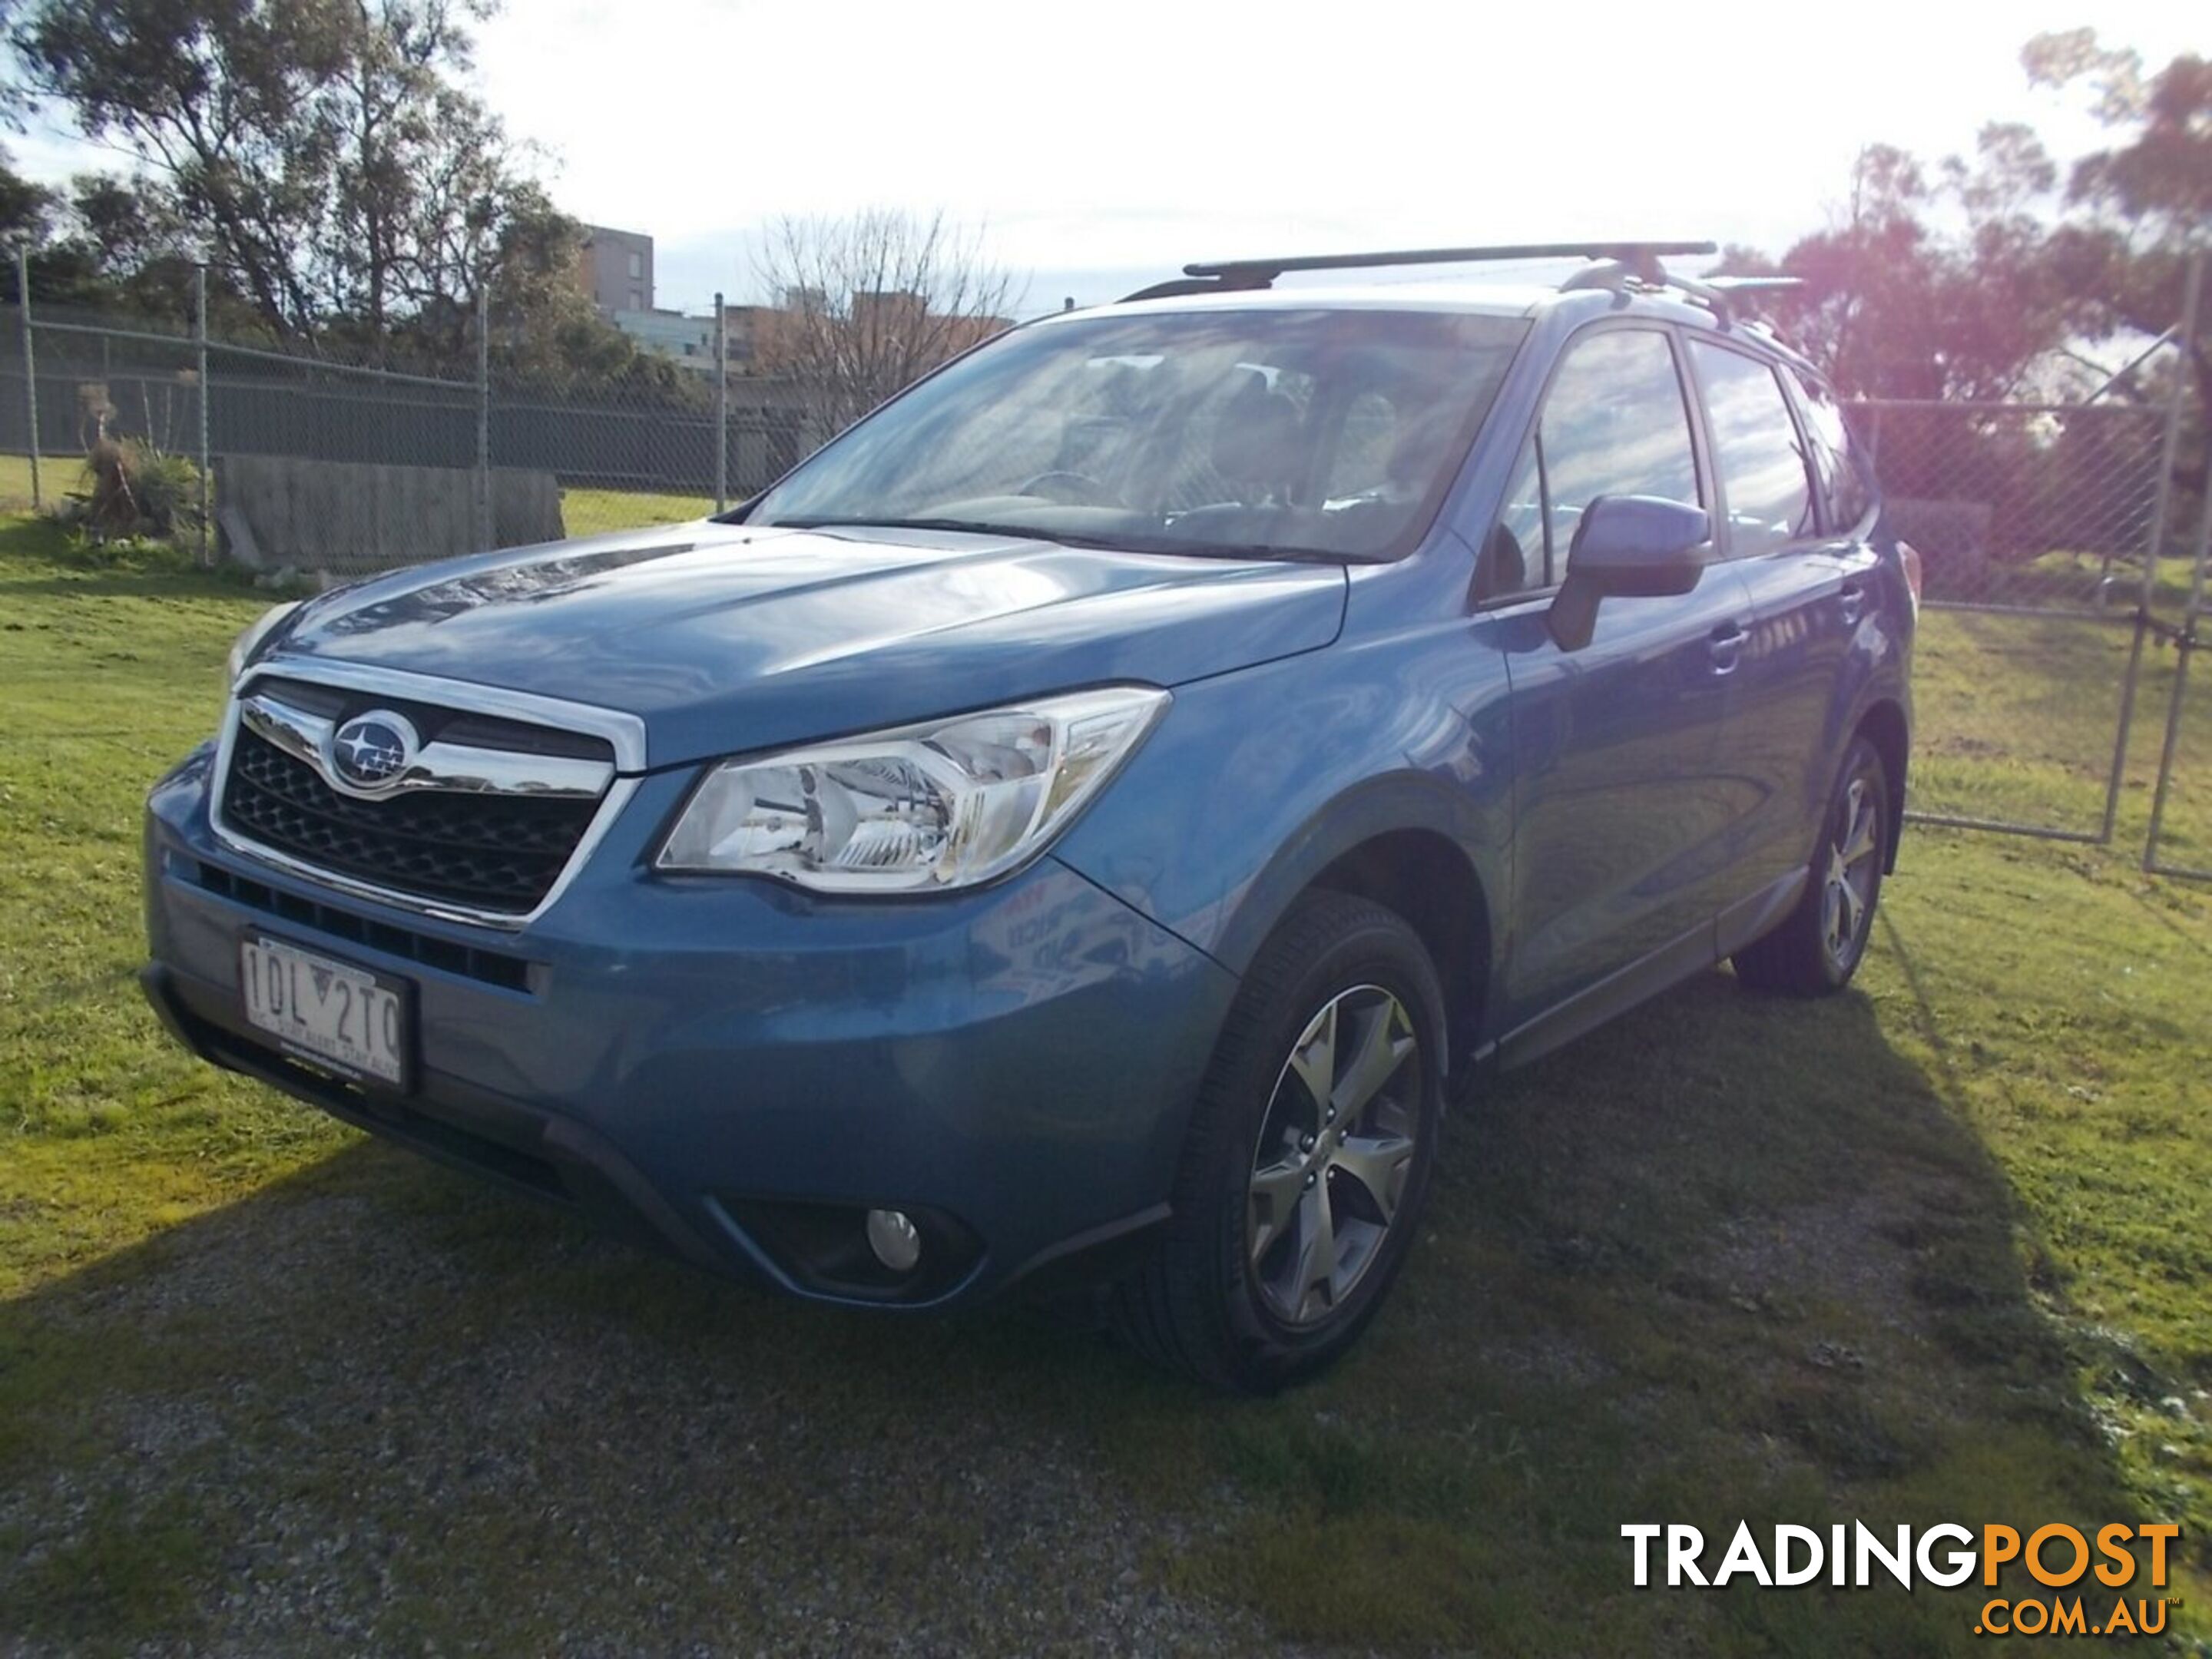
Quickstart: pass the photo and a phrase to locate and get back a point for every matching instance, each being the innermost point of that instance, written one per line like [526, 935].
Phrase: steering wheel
[1066, 487]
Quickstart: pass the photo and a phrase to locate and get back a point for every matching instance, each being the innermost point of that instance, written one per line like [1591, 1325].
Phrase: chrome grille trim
[625, 731]
[456, 767]
[301, 735]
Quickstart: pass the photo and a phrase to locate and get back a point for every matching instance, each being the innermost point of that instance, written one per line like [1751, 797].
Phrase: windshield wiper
[970, 526]
[1170, 545]
[1266, 550]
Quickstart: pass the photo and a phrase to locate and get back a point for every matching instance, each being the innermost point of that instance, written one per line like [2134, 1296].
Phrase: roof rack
[1720, 292]
[1638, 259]
[1717, 294]
[1619, 266]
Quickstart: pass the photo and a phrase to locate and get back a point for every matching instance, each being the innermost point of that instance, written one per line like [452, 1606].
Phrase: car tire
[1819, 944]
[1291, 1215]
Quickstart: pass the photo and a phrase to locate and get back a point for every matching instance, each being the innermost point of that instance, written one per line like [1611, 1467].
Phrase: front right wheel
[1307, 1157]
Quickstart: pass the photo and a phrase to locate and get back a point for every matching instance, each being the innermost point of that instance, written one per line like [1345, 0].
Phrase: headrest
[1255, 440]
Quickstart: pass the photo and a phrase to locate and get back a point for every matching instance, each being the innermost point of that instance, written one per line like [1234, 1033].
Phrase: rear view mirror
[1628, 547]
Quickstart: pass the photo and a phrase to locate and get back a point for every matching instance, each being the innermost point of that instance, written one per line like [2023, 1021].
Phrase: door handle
[1851, 597]
[1726, 645]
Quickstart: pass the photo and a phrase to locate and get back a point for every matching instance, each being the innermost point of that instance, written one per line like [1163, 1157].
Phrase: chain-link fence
[2051, 538]
[2037, 526]
[460, 459]
[2046, 509]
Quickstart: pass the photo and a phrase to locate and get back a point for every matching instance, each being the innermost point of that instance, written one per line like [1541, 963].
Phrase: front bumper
[688, 1058]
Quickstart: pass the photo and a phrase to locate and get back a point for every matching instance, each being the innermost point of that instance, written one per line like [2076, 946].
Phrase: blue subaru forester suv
[1084, 822]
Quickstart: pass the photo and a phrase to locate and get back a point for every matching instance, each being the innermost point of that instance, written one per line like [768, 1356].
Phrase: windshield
[1276, 433]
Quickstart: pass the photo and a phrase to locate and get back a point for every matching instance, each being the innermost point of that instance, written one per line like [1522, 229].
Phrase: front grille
[495, 853]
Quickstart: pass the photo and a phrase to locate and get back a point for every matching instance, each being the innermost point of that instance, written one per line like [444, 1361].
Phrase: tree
[323, 158]
[26, 209]
[1893, 306]
[1971, 278]
[2136, 209]
[15, 100]
[103, 245]
[421, 173]
[1996, 276]
[224, 102]
[865, 306]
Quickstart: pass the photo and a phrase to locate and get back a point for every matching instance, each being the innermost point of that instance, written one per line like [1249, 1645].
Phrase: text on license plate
[327, 1009]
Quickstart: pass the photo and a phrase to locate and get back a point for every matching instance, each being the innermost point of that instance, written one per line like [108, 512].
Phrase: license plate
[337, 1013]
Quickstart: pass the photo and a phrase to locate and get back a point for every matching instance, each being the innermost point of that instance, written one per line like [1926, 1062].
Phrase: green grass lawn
[589, 512]
[57, 476]
[1935, 1249]
[2016, 720]
[2076, 578]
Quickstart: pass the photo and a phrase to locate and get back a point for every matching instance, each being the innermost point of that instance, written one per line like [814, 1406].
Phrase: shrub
[137, 490]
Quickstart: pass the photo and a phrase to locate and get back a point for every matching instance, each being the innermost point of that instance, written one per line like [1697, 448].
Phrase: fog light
[892, 1236]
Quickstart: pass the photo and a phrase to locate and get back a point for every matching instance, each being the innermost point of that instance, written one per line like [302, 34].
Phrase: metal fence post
[2188, 638]
[30, 366]
[200, 343]
[2191, 292]
[721, 406]
[485, 525]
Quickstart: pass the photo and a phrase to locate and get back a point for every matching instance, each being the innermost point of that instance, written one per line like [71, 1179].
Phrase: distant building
[615, 267]
[688, 339]
[888, 309]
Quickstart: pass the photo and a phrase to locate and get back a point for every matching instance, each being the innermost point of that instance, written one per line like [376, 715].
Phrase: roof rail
[1447, 255]
[1226, 276]
[1618, 265]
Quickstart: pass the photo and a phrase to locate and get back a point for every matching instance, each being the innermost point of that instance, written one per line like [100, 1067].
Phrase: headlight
[920, 809]
[244, 648]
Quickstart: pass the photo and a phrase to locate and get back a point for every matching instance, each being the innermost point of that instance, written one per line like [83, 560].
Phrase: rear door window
[1756, 449]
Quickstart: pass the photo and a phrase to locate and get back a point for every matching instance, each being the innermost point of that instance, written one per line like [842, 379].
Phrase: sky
[1096, 148]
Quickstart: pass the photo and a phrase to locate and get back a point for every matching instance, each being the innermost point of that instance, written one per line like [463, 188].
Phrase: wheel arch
[1427, 879]
[1883, 724]
[1399, 844]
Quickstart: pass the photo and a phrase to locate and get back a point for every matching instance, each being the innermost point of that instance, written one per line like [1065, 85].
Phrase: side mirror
[1628, 547]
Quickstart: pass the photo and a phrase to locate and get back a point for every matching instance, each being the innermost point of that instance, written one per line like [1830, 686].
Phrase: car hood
[725, 638]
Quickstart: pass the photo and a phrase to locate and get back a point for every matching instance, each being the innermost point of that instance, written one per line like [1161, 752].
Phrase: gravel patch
[377, 1446]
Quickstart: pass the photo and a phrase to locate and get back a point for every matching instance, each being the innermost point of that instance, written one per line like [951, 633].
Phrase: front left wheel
[1308, 1158]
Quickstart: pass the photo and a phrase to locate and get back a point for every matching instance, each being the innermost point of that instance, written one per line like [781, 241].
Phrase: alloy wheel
[1335, 1148]
[1849, 873]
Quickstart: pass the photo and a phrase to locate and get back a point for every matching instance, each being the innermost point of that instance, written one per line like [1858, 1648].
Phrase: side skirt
[1693, 952]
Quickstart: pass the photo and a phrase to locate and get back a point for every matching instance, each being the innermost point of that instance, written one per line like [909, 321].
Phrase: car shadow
[1732, 1257]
